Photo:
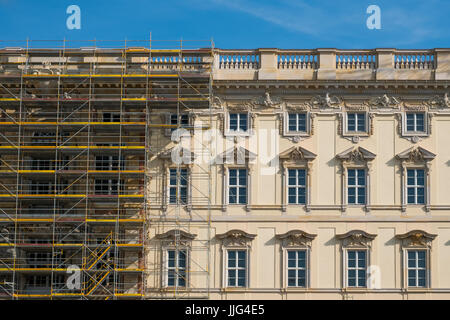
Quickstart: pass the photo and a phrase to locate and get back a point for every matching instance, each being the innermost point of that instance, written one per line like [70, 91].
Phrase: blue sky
[236, 23]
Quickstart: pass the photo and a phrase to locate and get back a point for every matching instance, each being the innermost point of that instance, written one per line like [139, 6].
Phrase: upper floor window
[238, 122]
[108, 186]
[109, 162]
[415, 122]
[296, 186]
[176, 268]
[356, 122]
[297, 122]
[415, 186]
[111, 117]
[178, 185]
[296, 268]
[181, 121]
[237, 186]
[356, 186]
[236, 268]
[356, 268]
[417, 268]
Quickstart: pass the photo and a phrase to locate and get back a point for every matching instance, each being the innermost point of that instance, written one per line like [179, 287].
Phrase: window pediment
[297, 153]
[417, 154]
[296, 238]
[169, 238]
[416, 238]
[236, 238]
[238, 155]
[356, 238]
[180, 154]
[356, 155]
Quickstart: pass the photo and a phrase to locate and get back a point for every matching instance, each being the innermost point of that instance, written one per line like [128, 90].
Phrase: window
[296, 186]
[184, 121]
[176, 268]
[417, 268]
[109, 162]
[111, 117]
[415, 122]
[44, 138]
[237, 268]
[237, 187]
[356, 268]
[41, 187]
[107, 186]
[41, 164]
[178, 186]
[297, 122]
[296, 268]
[416, 186]
[356, 186]
[238, 122]
[356, 122]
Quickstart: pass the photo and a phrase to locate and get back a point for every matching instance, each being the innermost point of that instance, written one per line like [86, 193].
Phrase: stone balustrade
[239, 64]
[335, 64]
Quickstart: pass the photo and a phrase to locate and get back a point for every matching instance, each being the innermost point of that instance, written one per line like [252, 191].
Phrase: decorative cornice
[356, 238]
[356, 154]
[327, 102]
[296, 153]
[416, 154]
[238, 154]
[295, 238]
[437, 102]
[169, 238]
[416, 238]
[384, 102]
[235, 237]
[185, 155]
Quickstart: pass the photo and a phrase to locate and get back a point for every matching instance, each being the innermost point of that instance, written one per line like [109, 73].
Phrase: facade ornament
[176, 237]
[439, 102]
[266, 101]
[416, 238]
[236, 238]
[297, 153]
[319, 102]
[296, 238]
[356, 238]
[384, 102]
[218, 103]
[416, 154]
[357, 154]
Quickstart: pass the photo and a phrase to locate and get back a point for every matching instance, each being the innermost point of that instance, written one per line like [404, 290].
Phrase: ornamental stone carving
[296, 238]
[236, 238]
[384, 102]
[437, 102]
[176, 237]
[416, 238]
[356, 238]
[327, 102]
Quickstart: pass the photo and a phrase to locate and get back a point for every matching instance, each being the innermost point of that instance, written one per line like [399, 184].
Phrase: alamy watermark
[74, 20]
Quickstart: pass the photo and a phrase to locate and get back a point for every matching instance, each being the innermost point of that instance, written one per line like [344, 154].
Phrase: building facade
[226, 174]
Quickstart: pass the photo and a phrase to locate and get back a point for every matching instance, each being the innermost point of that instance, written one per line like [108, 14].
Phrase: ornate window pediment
[236, 155]
[179, 154]
[296, 238]
[416, 239]
[174, 238]
[438, 102]
[356, 239]
[414, 155]
[236, 238]
[384, 102]
[355, 155]
[326, 102]
[297, 153]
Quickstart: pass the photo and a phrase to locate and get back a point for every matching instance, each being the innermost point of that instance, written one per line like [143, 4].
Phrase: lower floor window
[176, 268]
[417, 268]
[356, 268]
[237, 268]
[296, 268]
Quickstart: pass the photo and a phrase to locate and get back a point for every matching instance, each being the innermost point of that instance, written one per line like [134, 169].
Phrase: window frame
[356, 186]
[297, 186]
[411, 134]
[227, 267]
[416, 186]
[286, 267]
[367, 119]
[177, 186]
[347, 268]
[407, 268]
[229, 132]
[238, 186]
[176, 275]
[288, 133]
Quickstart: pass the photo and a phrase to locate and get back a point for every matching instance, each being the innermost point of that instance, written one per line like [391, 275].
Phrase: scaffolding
[77, 137]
